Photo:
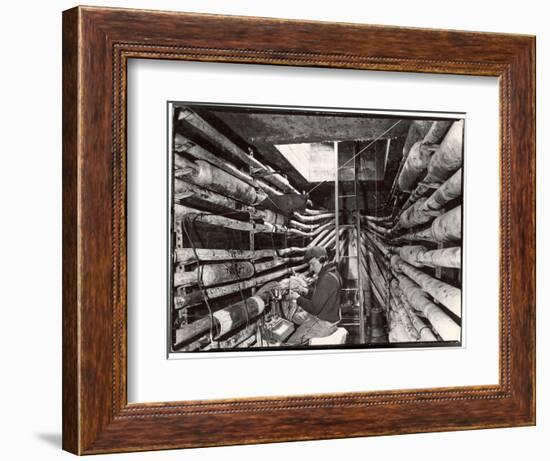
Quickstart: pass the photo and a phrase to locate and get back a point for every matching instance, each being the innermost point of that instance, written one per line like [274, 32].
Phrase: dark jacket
[324, 301]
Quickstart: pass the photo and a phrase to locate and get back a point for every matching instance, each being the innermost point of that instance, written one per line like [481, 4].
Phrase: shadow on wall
[51, 438]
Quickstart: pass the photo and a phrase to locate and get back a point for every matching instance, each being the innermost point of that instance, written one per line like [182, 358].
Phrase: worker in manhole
[317, 311]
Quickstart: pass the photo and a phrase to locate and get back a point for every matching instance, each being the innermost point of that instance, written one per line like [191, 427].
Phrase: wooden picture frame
[97, 43]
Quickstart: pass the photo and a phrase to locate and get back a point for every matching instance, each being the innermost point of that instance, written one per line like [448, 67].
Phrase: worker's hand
[300, 290]
[298, 284]
[284, 284]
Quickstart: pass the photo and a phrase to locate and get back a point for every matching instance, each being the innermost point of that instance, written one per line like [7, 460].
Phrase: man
[319, 313]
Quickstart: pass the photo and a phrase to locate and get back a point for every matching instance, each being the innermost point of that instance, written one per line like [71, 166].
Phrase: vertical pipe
[336, 201]
[251, 247]
[388, 142]
[357, 260]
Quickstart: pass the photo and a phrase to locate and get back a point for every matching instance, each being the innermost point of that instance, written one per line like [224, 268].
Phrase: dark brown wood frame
[97, 44]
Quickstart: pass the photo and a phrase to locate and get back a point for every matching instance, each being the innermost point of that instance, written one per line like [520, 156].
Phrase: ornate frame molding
[97, 44]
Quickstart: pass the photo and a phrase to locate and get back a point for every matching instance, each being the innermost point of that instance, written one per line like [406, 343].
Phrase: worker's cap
[314, 252]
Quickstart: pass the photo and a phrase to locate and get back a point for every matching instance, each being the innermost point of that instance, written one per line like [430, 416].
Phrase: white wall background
[30, 235]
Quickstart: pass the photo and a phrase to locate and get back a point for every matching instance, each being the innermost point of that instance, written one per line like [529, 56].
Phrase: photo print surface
[313, 228]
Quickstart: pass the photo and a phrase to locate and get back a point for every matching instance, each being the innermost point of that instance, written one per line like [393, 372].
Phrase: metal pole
[251, 241]
[358, 260]
[388, 142]
[336, 201]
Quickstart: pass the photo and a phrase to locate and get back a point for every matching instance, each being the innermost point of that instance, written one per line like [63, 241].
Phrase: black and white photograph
[297, 227]
[275, 230]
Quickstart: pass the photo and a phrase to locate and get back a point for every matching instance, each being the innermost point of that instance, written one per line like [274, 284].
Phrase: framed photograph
[279, 230]
[295, 253]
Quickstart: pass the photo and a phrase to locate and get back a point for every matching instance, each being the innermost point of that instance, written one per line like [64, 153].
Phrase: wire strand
[358, 153]
[199, 273]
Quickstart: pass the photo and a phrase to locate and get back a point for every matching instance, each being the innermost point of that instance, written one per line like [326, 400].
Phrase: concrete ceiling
[263, 130]
[269, 128]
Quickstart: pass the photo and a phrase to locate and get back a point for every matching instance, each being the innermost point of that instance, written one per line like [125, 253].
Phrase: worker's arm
[322, 294]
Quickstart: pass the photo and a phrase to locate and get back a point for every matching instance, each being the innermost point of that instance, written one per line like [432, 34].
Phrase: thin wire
[239, 281]
[199, 278]
[200, 267]
[274, 204]
[360, 152]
